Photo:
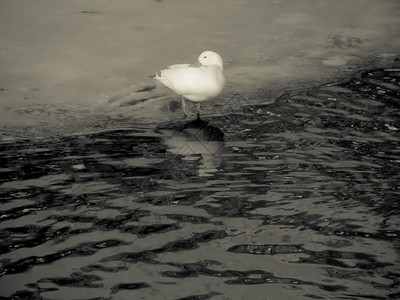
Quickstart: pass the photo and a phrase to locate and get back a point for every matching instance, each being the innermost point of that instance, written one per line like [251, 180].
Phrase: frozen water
[60, 58]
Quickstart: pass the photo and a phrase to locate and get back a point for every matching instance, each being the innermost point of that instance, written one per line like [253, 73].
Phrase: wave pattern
[299, 201]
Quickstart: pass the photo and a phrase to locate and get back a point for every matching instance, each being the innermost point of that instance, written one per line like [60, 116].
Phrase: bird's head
[209, 58]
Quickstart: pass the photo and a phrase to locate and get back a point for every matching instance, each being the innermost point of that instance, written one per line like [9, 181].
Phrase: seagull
[197, 82]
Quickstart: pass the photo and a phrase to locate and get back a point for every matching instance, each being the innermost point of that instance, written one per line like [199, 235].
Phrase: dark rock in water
[210, 133]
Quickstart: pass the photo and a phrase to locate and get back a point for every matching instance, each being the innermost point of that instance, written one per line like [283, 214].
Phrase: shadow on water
[292, 200]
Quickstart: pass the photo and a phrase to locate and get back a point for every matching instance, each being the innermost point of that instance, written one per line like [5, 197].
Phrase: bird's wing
[181, 78]
[178, 66]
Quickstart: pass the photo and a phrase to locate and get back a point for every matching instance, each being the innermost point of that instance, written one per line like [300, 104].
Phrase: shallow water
[295, 199]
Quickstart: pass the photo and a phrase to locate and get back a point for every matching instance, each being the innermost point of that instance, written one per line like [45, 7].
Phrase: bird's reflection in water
[197, 140]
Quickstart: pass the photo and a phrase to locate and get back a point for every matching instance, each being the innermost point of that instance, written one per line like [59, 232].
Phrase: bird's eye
[205, 56]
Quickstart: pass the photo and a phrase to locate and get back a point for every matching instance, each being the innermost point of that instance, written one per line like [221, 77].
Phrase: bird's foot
[198, 110]
[188, 112]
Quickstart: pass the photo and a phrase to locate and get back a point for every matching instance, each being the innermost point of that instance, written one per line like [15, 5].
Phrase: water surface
[297, 199]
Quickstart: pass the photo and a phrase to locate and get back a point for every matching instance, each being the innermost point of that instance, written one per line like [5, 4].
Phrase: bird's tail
[157, 76]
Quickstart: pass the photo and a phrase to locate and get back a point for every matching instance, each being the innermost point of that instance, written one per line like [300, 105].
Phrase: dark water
[298, 199]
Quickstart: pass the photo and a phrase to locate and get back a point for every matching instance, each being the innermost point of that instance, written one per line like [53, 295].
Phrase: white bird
[198, 82]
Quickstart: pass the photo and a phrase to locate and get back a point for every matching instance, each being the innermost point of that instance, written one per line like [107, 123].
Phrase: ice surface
[73, 55]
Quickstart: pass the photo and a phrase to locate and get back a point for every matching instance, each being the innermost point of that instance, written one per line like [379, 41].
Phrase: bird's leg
[198, 110]
[185, 110]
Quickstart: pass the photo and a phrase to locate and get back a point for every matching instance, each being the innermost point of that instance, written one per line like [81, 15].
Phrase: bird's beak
[196, 64]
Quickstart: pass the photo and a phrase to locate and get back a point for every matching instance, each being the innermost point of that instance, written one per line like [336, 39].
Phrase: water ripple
[294, 199]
